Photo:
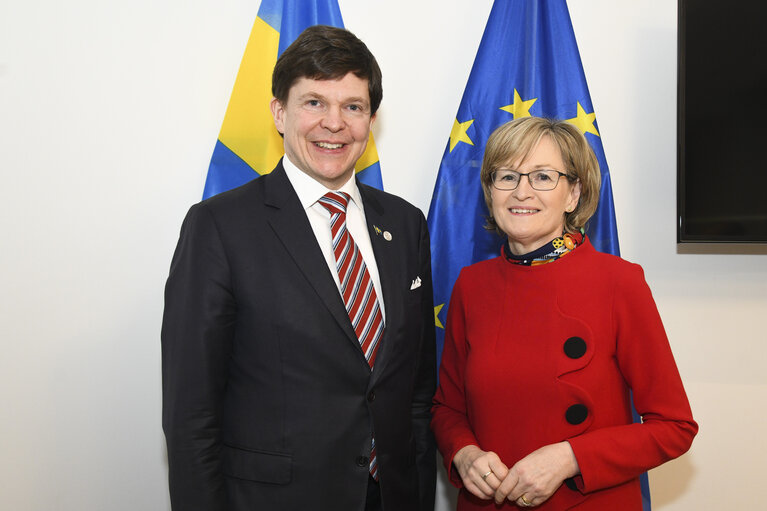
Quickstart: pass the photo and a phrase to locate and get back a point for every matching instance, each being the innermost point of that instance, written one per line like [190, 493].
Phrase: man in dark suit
[298, 336]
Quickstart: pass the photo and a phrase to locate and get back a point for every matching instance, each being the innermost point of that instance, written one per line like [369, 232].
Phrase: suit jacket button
[371, 396]
[362, 461]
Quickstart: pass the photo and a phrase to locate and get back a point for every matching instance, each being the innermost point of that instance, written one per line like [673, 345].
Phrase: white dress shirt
[309, 192]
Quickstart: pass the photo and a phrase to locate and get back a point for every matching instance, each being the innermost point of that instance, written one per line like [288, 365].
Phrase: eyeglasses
[541, 180]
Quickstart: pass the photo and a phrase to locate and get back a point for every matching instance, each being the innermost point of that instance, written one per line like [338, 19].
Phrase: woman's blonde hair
[514, 141]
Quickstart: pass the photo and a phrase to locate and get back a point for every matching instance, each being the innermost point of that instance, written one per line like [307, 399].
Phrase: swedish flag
[249, 144]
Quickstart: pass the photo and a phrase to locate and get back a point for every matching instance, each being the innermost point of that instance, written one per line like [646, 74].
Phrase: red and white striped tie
[357, 288]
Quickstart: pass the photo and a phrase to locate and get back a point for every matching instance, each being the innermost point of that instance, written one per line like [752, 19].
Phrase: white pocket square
[416, 283]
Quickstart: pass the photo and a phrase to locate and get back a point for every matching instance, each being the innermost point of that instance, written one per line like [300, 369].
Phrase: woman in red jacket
[546, 345]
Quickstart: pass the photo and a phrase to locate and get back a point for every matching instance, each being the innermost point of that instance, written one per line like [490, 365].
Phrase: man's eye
[313, 102]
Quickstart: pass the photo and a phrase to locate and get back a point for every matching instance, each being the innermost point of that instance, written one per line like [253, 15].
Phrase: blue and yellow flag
[249, 145]
[527, 64]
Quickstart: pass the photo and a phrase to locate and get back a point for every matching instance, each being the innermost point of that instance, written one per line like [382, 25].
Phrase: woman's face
[531, 218]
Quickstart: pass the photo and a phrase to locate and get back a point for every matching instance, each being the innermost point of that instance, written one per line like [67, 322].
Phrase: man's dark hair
[326, 53]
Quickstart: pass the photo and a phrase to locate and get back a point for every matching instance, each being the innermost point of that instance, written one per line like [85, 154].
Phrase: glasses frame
[530, 180]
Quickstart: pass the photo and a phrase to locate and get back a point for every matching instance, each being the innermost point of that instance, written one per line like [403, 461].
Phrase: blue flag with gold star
[527, 64]
[249, 145]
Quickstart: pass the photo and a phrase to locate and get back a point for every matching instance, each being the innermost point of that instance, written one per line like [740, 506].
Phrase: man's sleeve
[426, 381]
[197, 329]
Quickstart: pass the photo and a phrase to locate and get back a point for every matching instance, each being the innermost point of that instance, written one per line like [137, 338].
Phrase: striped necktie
[357, 288]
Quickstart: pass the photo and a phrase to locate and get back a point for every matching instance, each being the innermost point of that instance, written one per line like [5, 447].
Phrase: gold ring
[525, 501]
[484, 477]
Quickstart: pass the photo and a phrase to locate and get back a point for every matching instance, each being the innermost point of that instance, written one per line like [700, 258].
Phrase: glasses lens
[505, 179]
[544, 179]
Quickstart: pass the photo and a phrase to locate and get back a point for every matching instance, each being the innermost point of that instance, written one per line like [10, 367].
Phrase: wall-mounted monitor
[722, 121]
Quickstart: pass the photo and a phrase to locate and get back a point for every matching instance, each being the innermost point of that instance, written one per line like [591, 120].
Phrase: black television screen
[722, 121]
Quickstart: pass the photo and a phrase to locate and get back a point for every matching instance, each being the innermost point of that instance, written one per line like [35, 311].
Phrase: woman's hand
[481, 471]
[535, 478]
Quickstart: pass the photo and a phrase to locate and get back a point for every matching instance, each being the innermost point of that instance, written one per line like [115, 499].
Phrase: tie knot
[335, 202]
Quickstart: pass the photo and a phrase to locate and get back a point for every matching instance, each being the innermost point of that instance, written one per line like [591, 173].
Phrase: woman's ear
[575, 196]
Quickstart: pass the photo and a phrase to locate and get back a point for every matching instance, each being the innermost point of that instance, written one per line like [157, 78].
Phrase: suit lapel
[387, 270]
[287, 218]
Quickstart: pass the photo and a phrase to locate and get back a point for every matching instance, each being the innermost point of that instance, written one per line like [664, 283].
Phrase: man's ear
[278, 113]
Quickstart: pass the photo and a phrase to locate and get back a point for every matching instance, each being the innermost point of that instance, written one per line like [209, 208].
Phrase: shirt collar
[309, 190]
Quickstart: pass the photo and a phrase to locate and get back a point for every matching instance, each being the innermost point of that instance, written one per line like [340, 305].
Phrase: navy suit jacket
[268, 401]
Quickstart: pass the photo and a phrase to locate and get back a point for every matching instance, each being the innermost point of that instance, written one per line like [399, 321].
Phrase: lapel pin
[387, 235]
[377, 230]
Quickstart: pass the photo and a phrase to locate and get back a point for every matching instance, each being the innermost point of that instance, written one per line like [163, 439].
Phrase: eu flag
[249, 144]
[527, 64]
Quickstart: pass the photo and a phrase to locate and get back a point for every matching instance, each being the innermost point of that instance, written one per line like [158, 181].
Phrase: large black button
[363, 461]
[570, 483]
[576, 414]
[575, 347]
[371, 396]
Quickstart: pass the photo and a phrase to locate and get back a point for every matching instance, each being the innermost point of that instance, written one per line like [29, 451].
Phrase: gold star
[458, 133]
[519, 108]
[437, 322]
[584, 121]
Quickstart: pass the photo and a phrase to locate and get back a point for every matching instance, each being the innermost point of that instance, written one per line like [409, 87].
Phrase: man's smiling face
[326, 125]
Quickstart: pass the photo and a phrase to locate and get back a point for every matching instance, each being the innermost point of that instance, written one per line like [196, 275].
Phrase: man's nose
[333, 119]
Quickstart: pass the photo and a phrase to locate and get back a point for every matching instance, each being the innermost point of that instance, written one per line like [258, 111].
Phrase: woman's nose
[523, 189]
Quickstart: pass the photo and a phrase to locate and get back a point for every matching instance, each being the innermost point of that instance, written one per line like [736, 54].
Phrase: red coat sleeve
[450, 422]
[612, 455]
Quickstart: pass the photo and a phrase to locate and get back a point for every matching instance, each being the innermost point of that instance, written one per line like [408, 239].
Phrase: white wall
[108, 116]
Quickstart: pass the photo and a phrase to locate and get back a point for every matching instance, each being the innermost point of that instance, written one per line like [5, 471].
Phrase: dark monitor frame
[728, 143]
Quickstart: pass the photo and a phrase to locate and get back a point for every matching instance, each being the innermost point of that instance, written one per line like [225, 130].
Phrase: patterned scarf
[550, 252]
